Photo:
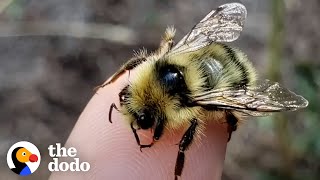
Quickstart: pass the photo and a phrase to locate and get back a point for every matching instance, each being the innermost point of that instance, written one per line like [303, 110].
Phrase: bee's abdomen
[240, 64]
[224, 66]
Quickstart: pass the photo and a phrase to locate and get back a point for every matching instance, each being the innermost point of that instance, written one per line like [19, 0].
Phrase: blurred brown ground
[46, 81]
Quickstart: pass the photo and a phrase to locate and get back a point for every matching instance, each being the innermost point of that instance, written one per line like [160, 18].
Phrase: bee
[196, 80]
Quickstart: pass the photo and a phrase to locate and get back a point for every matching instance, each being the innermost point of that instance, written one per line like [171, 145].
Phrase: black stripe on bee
[233, 56]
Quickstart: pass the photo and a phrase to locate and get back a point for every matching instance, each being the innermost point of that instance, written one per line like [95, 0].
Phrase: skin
[113, 153]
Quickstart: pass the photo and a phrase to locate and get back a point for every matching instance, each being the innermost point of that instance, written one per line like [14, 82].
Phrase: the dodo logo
[23, 158]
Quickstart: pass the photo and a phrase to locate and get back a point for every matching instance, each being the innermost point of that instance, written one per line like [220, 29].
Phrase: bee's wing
[221, 25]
[261, 100]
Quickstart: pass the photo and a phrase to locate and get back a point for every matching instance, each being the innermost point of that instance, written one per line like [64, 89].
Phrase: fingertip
[113, 153]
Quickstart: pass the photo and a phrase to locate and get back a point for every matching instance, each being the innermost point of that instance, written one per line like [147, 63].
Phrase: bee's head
[158, 91]
[169, 83]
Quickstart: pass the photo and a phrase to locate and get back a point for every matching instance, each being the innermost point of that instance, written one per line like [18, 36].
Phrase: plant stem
[276, 53]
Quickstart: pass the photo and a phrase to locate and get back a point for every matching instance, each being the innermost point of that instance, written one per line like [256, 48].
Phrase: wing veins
[266, 97]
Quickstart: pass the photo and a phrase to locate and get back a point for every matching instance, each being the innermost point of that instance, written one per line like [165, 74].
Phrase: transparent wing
[261, 100]
[221, 25]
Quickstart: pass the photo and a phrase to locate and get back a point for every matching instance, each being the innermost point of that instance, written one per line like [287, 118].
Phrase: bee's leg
[122, 97]
[146, 145]
[135, 134]
[167, 42]
[183, 146]
[113, 106]
[158, 130]
[232, 124]
[138, 139]
[131, 64]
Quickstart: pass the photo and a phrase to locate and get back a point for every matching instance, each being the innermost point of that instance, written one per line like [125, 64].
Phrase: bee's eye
[172, 78]
[142, 117]
[145, 121]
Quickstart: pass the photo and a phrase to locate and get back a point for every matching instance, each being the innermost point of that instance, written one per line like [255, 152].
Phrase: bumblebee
[197, 80]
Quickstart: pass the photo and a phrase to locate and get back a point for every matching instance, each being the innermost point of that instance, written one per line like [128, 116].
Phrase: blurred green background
[53, 52]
